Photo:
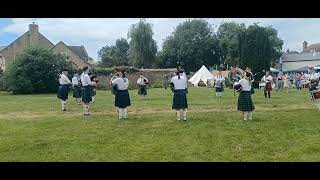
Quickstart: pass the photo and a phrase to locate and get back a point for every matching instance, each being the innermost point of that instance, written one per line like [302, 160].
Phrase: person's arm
[65, 78]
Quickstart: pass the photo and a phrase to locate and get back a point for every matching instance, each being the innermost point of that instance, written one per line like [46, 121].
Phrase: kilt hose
[86, 94]
[122, 99]
[93, 91]
[142, 90]
[63, 92]
[179, 99]
[245, 102]
[268, 87]
[77, 92]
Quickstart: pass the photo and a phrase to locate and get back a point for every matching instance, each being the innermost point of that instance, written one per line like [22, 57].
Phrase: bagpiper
[76, 84]
[179, 87]
[268, 87]
[86, 91]
[218, 84]
[63, 90]
[142, 83]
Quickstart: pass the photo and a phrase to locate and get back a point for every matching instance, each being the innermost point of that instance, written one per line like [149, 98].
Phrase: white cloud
[94, 33]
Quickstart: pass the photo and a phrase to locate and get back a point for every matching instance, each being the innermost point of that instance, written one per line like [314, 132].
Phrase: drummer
[314, 90]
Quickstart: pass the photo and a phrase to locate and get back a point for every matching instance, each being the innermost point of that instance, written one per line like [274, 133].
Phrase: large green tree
[193, 43]
[143, 47]
[227, 36]
[117, 55]
[36, 70]
[259, 47]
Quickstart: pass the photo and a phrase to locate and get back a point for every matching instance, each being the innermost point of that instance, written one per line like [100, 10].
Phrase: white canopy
[203, 74]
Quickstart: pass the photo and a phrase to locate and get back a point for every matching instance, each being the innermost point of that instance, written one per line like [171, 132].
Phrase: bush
[35, 71]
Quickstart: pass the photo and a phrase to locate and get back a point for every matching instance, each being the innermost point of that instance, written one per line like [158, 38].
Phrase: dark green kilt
[94, 90]
[122, 99]
[179, 99]
[77, 92]
[63, 92]
[86, 94]
[219, 89]
[245, 101]
[142, 90]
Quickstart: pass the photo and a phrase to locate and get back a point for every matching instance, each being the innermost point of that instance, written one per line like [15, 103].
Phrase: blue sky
[95, 33]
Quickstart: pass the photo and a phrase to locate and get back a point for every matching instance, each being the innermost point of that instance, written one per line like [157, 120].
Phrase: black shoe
[64, 110]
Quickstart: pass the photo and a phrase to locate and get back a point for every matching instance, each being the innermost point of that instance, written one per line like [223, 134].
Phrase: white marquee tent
[203, 75]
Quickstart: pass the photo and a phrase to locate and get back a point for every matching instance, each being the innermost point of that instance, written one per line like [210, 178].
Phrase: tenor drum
[315, 94]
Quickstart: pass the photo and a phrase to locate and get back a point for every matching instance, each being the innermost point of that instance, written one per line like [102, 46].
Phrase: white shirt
[246, 86]
[181, 83]
[85, 79]
[63, 80]
[267, 79]
[123, 83]
[75, 81]
[140, 81]
[219, 80]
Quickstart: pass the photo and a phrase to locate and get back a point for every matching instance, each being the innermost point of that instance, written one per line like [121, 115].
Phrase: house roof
[80, 51]
[313, 46]
[301, 57]
[2, 47]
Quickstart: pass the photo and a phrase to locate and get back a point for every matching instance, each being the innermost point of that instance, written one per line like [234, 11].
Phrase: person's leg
[85, 109]
[265, 93]
[269, 93]
[250, 115]
[93, 98]
[120, 113]
[245, 115]
[125, 113]
[63, 105]
[88, 108]
[178, 114]
[185, 114]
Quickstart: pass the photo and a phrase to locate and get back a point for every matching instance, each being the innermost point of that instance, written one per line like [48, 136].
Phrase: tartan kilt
[77, 92]
[142, 90]
[268, 87]
[245, 102]
[122, 99]
[93, 90]
[86, 94]
[63, 92]
[219, 89]
[179, 99]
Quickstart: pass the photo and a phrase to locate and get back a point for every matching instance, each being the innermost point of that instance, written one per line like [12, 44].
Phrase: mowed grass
[287, 128]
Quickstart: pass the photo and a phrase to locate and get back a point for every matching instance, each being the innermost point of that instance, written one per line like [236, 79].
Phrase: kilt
[142, 90]
[268, 87]
[86, 94]
[63, 92]
[219, 89]
[245, 101]
[93, 90]
[122, 99]
[77, 92]
[179, 99]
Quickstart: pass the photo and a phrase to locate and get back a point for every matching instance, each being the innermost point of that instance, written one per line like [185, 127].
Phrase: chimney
[304, 45]
[34, 33]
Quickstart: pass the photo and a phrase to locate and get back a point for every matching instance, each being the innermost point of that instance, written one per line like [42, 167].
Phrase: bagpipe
[145, 81]
[94, 79]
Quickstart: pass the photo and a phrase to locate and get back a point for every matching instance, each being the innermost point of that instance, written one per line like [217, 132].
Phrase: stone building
[75, 54]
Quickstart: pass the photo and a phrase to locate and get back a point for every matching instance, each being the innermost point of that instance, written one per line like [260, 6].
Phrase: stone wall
[155, 77]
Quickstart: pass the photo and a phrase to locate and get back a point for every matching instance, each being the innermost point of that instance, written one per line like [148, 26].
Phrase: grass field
[32, 128]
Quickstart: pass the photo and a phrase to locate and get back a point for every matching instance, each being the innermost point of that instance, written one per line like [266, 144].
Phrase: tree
[193, 43]
[227, 36]
[117, 55]
[143, 47]
[258, 48]
[35, 71]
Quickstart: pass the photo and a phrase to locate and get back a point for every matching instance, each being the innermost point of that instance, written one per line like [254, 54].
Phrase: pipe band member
[95, 82]
[122, 98]
[142, 83]
[76, 83]
[245, 104]
[86, 91]
[219, 84]
[179, 86]
[268, 80]
[63, 90]
[113, 88]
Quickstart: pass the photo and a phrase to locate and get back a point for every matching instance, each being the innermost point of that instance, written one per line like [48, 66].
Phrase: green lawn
[32, 128]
